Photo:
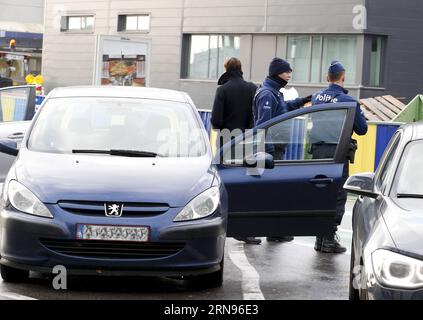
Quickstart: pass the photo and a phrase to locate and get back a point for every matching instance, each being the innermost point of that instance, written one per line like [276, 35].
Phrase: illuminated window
[310, 56]
[77, 24]
[134, 23]
[204, 55]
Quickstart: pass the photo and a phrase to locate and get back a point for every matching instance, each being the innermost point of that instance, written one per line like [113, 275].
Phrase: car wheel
[354, 294]
[13, 275]
[210, 280]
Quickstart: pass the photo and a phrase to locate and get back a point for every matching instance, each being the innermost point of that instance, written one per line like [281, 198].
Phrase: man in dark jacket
[233, 100]
[269, 102]
[232, 109]
[333, 94]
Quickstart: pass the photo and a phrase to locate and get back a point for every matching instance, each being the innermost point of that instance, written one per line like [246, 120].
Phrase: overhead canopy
[18, 55]
[21, 27]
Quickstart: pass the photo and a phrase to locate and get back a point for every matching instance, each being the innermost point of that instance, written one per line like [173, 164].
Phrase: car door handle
[16, 135]
[321, 181]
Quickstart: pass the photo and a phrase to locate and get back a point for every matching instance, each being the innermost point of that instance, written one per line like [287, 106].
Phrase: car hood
[404, 219]
[55, 177]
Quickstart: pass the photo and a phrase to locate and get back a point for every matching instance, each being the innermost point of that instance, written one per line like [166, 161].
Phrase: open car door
[293, 191]
[17, 108]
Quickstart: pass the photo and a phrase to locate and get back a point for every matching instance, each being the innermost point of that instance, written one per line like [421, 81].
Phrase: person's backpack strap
[260, 90]
[254, 103]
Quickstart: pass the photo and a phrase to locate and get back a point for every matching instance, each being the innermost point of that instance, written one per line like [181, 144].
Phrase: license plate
[112, 233]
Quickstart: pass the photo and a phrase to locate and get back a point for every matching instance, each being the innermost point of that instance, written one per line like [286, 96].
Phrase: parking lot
[271, 271]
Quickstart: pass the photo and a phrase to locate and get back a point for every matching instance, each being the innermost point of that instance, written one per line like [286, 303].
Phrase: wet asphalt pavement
[271, 271]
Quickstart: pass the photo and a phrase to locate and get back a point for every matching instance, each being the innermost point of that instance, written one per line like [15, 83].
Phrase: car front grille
[130, 209]
[112, 249]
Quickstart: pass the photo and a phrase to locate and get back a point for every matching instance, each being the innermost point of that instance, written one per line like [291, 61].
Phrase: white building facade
[181, 44]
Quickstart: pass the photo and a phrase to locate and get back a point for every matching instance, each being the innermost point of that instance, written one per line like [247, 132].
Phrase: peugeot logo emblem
[113, 210]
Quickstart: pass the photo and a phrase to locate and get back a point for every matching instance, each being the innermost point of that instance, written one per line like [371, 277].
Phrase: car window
[387, 162]
[409, 179]
[163, 127]
[312, 136]
[14, 104]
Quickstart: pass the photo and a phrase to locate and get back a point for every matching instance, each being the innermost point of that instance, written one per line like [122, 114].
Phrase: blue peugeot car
[122, 181]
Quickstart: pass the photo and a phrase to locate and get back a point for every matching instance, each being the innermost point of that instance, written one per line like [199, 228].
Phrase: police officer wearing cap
[269, 102]
[333, 94]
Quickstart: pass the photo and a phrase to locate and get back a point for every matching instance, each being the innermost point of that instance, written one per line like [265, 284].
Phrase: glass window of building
[205, 55]
[376, 61]
[134, 22]
[299, 57]
[310, 56]
[77, 23]
[316, 59]
[343, 49]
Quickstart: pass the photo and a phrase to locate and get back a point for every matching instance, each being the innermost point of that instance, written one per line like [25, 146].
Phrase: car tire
[354, 294]
[12, 275]
[210, 280]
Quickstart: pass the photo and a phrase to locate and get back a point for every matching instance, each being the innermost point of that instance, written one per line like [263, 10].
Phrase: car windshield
[410, 174]
[118, 126]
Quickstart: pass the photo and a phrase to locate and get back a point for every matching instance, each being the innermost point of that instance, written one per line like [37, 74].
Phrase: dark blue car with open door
[122, 181]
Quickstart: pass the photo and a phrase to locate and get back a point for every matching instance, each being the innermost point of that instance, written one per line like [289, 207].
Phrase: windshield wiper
[410, 195]
[133, 153]
[91, 151]
[124, 153]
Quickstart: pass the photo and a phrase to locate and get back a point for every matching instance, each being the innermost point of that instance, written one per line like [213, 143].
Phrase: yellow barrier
[365, 155]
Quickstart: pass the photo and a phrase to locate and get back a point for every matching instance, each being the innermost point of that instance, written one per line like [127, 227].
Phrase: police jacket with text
[335, 93]
[269, 102]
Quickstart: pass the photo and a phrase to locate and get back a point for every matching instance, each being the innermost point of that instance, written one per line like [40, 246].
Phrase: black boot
[249, 240]
[280, 239]
[330, 244]
[318, 244]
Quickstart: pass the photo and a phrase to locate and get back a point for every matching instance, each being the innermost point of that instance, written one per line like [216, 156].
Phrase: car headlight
[24, 200]
[201, 206]
[396, 270]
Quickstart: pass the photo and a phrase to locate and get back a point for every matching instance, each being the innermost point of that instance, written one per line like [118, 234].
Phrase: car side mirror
[258, 159]
[9, 147]
[362, 184]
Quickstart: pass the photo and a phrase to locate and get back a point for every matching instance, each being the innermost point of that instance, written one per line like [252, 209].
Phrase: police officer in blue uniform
[333, 94]
[269, 102]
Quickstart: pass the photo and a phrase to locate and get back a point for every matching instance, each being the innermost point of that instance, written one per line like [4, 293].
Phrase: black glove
[307, 99]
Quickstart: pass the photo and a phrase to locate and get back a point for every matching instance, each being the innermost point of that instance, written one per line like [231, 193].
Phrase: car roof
[415, 129]
[119, 92]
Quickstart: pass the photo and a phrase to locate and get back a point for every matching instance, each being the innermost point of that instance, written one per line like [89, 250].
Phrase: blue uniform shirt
[269, 102]
[335, 93]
